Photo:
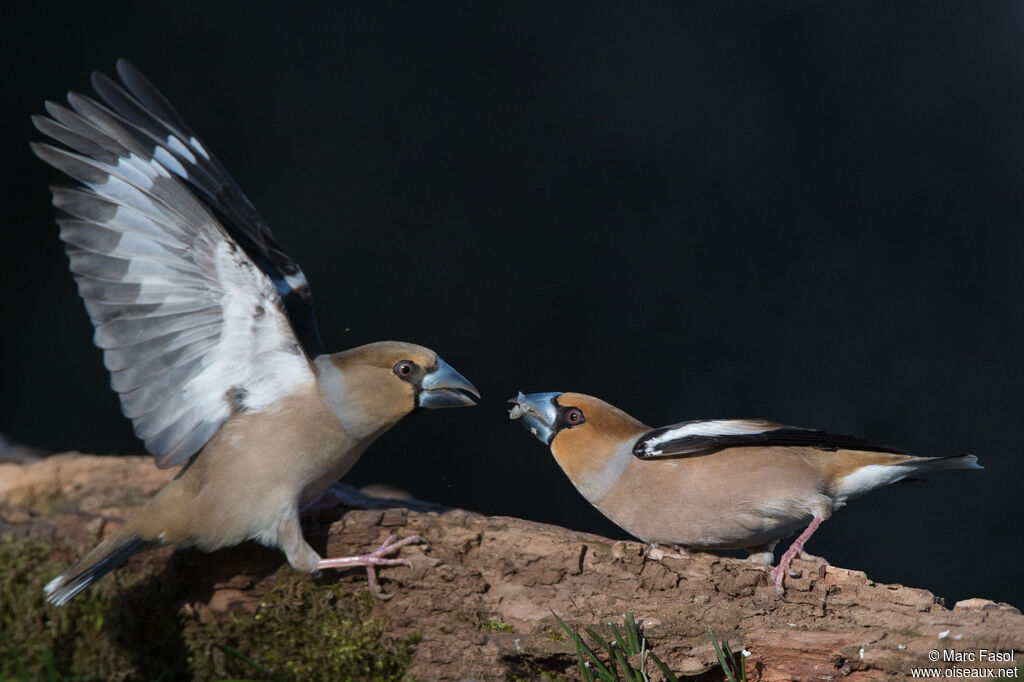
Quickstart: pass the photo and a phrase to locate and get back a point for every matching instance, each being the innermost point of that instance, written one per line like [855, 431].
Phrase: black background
[807, 212]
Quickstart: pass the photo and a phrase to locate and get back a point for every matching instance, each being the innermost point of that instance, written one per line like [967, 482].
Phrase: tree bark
[483, 591]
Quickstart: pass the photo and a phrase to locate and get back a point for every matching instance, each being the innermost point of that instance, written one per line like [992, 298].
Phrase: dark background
[808, 212]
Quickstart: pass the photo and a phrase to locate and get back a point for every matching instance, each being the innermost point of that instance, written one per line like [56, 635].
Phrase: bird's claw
[375, 559]
[821, 561]
[776, 576]
[657, 552]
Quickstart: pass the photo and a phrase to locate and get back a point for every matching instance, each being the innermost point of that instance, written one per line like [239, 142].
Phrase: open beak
[538, 412]
[444, 387]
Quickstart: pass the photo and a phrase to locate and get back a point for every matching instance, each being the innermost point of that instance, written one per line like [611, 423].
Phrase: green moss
[496, 625]
[100, 635]
[538, 674]
[134, 630]
[524, 669]
[302, 631]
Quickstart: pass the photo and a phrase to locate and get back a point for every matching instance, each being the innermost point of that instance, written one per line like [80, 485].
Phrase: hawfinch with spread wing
[207, 328]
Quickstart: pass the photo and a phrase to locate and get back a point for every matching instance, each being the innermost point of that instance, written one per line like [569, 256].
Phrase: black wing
[161, 130]
[702, 437]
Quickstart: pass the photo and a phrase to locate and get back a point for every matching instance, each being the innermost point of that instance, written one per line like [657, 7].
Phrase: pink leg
[778, 573]
[374, 559]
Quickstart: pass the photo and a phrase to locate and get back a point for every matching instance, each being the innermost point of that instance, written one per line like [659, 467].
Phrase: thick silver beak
[444, 387]
[538, 412]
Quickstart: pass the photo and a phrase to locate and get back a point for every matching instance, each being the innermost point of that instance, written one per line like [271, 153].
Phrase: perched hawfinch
[207, 329]
[668, 486]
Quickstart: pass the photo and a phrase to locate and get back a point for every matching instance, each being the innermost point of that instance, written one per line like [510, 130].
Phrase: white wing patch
[256, 342]
[710, 428]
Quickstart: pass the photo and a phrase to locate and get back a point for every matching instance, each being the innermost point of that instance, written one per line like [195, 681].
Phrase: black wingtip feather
[151, 98]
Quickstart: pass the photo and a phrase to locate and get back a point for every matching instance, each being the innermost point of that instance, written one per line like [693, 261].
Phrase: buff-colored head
[371, 387]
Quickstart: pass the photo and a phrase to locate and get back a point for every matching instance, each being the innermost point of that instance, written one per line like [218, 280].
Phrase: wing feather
[696, 438]
[191, 328]
[128, 293]
[160, 130]
[122, 333]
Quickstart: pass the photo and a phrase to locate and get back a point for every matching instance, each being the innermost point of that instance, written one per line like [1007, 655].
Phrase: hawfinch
[207, 328]
[666, 485]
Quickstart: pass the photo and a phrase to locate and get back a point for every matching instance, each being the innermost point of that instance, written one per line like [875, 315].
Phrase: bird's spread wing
[161, 131]
[701, 437]
[191, 329]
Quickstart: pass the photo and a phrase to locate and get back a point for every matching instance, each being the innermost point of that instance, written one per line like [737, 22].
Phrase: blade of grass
[719, 654]
[51, 668]
[626, 667]
[584, 669]
[601, 668]
[728, 663]
[632, 636]
[622, 644]
[644, 654]
[588, 674]
[562, 623]
[245, 659]
[607, 646]
[669, 675]
[582, 648]
[739, 670]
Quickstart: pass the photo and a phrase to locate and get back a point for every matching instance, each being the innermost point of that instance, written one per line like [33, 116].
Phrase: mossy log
[477, 604]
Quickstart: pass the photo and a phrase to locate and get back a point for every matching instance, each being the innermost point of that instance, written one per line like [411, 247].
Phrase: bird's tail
[106, 557]
[939, 463]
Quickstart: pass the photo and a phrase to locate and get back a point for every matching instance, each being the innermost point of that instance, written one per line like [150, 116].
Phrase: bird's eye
[574, 416]
[404, 369]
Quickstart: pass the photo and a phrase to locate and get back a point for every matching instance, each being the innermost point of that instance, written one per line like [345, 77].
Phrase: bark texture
[481, 594]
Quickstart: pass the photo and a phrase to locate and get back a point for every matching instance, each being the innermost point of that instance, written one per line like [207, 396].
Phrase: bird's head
[579, 428]
[373, 386]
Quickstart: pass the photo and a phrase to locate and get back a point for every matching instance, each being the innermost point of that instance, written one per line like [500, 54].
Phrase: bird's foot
[821, 561]
[375, 559]
[778, 574]
[794, 573]
[656, 552]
